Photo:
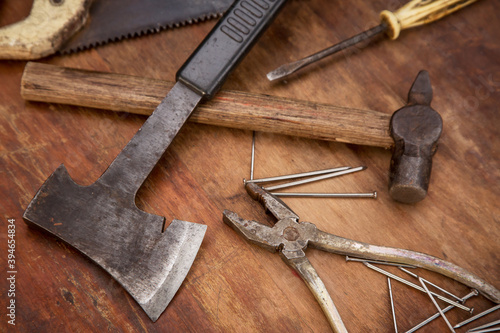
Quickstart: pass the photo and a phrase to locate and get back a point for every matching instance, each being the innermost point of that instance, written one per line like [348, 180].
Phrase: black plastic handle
[225, 46]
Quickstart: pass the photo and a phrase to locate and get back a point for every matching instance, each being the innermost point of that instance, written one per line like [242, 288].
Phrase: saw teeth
[140, 33]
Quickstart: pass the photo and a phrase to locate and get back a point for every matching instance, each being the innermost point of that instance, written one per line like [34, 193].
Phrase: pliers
[290, 238]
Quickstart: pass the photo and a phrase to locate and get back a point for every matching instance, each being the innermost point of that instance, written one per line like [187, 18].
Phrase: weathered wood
[258, 112]
[48, 26]
[235, 286]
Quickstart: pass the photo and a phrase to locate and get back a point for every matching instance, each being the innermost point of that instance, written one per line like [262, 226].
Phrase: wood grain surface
[234, 109]
[234, 286]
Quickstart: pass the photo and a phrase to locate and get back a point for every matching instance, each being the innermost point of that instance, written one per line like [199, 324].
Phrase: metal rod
[435, 304]
[486, 330]
[347, 258]
[292, 67]
[297, 175]
[252, 160]
[413, 285]
[479, 315]
[309, 180]
[432, 284]
[326, 195]
[392, 305]
[474, 292]
[475, 329]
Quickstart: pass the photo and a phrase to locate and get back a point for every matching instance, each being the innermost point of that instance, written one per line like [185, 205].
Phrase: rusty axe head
[415, 129]
[103, 222]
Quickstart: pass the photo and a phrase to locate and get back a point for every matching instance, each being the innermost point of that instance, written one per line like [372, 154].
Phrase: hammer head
[415, 129]
[105, 224]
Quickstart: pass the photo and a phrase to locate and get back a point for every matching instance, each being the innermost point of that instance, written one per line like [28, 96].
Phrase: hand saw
[67, 26]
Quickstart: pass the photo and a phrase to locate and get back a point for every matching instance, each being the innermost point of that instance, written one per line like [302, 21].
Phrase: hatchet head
[103, 223]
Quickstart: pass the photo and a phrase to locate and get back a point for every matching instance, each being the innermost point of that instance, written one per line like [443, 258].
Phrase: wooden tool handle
[48, 25]
[53, 84]
[419, 12]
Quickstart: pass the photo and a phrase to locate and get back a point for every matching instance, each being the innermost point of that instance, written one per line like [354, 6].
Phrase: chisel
[413, 14]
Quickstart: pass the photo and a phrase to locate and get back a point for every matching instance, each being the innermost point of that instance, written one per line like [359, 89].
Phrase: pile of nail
[432, 295]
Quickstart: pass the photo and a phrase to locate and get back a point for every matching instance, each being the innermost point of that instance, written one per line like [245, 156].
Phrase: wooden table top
[234, 286]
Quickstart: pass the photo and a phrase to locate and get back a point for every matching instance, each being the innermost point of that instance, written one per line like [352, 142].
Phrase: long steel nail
[347, 258]
[392, 305]
[475, 329]
[326, 195]
[486, 330]
[309, 180]
[432, 284]
[297, 175]
[413, 285]
[479, 315]
[474, 292]
[435, 304]
[252, 162]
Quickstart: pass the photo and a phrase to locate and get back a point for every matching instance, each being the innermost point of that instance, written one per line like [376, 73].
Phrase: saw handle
[419, 12]
[48, 26]
[226, 45]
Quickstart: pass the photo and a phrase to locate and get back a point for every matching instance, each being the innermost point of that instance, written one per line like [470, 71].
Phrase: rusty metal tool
[102, 220]
[290, 238]
[413, 14]
[415, 129]
[74, 25]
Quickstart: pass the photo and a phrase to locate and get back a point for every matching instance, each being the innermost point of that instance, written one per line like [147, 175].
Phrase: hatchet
[102, 221]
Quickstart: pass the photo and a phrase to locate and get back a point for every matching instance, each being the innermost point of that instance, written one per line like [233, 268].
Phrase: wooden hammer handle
[117, 92]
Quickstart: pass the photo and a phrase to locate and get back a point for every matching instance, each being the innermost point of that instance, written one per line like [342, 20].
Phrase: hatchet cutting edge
[102, 220]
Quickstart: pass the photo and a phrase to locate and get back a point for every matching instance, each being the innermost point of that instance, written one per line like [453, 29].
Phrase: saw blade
[114, 20]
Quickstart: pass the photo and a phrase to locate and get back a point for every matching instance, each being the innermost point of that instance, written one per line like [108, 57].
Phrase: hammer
[415, 129]
[54, 84]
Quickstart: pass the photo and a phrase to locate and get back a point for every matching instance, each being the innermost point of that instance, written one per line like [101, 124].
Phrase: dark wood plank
[233, 285]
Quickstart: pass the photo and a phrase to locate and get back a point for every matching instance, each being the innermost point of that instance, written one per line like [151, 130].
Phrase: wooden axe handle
[117, 92]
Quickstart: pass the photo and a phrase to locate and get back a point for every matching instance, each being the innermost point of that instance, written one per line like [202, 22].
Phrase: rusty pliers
[290, 238]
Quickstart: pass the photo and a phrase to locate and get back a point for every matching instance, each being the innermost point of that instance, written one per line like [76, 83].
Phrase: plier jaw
[287, 236]
[271, 203]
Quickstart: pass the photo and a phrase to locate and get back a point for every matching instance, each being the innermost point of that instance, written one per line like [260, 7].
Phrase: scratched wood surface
[234, 286]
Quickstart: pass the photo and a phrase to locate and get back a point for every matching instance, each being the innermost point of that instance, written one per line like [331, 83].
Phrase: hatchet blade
[107, 227]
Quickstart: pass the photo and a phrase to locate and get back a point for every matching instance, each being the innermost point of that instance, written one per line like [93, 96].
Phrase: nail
[492, 329]
[392, 305]
[347, 258]
[435, 304]
[474, 292]
[432, 284]
[253, 155]
[410, 284]
[305, 181]
[297, 175]
[482, 327]
[326, 195]
[479, 315]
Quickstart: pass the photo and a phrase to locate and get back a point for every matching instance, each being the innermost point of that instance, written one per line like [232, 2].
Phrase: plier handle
[290, 238]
